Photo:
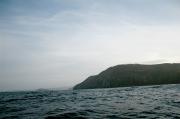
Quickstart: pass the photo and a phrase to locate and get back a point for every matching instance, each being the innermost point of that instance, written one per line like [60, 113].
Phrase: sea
[137, 102]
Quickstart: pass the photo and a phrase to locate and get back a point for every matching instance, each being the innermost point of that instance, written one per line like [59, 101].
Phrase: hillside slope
[133, 75]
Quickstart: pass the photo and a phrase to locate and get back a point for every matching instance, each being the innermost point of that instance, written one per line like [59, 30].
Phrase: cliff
[133, 75]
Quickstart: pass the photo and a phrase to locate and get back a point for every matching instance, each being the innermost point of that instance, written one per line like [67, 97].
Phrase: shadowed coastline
[133, 75]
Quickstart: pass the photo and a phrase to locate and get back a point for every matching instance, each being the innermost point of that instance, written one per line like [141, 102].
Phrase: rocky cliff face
[133, 75]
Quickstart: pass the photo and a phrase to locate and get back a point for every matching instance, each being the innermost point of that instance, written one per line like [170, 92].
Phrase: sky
[59, 43]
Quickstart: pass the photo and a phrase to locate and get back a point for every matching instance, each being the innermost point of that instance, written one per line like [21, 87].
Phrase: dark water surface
[161, 102]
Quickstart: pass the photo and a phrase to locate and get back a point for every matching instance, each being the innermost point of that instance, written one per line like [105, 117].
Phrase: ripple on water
[70, 115]
[114, 103]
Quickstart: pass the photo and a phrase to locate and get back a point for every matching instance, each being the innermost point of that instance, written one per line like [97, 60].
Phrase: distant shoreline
[133, 75]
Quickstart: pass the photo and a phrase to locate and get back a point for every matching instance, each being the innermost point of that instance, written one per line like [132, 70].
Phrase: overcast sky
[59, 43]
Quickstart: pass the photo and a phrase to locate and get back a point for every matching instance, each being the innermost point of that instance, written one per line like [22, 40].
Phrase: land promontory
[133, 75]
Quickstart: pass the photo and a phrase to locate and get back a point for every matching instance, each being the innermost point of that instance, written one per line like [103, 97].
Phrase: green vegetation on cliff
[133, 75]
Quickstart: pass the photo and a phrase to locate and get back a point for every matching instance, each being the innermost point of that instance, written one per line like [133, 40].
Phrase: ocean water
[151, 102]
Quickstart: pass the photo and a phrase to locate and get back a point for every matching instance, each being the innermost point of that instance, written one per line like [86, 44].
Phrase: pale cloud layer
[52, 43]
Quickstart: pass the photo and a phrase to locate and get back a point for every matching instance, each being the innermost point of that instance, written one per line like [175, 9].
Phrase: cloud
[59, 43]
